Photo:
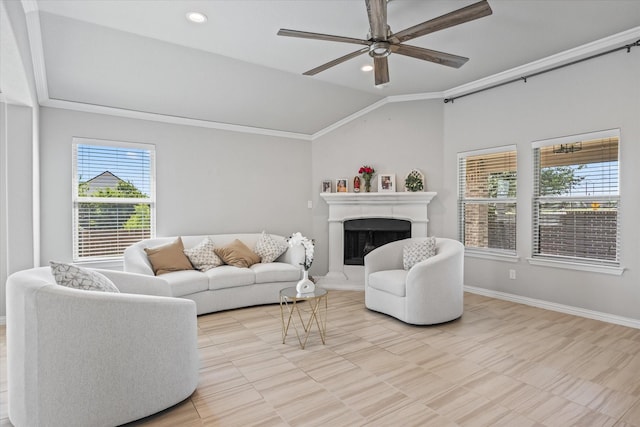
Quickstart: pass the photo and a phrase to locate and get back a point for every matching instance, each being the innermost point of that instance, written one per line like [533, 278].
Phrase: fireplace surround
[407, 206]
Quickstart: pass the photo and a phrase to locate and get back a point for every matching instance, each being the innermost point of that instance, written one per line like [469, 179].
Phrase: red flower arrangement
[366, 170]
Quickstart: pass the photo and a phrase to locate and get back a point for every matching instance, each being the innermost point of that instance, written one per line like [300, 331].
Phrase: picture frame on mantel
[342, 185]
[386, 183]
[326, 186]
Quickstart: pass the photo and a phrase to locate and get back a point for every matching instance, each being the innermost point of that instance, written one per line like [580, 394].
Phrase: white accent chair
[430, 292]
[89, 358]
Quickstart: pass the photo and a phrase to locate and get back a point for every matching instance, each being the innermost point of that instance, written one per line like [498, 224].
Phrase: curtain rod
[524, 78]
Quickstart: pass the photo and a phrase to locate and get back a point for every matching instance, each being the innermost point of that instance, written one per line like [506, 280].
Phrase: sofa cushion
[418, 251]
[275, 272]
[228, 276]
[81, 278]
[202, 256]
[269, 248]
[391, 281]
[237, 254]
[169, 257]
[186, 282]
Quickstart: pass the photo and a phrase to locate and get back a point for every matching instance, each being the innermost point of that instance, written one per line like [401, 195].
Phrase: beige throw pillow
[237, 254]
[168, 258]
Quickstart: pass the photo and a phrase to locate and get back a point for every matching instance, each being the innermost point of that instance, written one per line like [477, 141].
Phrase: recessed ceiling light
[197, 17]
[367, 68]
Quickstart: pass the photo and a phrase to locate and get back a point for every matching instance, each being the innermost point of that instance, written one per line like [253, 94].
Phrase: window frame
[480, 252]
[77, 200]
[573, 262]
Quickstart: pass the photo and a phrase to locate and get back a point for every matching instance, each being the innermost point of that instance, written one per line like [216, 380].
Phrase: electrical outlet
[309, 204]
[512, 274]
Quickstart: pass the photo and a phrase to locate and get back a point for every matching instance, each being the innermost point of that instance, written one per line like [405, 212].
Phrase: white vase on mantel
[305, 285]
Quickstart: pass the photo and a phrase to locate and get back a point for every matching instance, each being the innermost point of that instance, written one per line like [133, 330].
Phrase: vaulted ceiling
[144, 56]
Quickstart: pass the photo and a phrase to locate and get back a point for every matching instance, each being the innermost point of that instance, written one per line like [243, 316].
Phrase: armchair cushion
[80, 278]
[417, 251]
[391, 281]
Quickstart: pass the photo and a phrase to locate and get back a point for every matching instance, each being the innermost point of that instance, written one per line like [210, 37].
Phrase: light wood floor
[501, 364]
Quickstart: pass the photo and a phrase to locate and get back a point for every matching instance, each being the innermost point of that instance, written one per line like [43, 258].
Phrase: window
[113, 197]
[487, 200]
[576, 197]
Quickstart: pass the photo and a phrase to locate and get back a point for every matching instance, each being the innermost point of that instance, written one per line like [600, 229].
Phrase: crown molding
[415, 97]
[598, 46]
[143, 115]
[350, 118]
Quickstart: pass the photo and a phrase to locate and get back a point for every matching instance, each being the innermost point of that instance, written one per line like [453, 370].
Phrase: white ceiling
[143, 55]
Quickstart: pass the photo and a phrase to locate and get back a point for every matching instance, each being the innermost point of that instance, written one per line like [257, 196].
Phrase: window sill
[591, 268]
[491, 255]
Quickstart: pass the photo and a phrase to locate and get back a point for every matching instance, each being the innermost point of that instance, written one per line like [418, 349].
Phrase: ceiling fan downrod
[379, 49]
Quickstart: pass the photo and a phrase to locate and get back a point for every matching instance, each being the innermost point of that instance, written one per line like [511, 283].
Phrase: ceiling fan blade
[441, 58]
[381, 70]
[335, 62]
[377, 12]
[460, 16]
[318, 36]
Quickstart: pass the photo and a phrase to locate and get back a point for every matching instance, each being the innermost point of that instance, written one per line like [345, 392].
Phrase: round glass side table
[292, 315]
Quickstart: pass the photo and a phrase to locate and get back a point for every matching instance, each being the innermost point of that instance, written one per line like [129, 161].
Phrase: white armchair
[88, 358]
[430, 292]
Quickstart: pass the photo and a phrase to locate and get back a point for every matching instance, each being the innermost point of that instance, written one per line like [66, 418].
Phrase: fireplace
[361, 236]
[345, 207]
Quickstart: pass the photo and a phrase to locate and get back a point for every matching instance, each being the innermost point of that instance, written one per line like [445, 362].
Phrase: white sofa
[89, 358]
[225, 287]
[430, 292]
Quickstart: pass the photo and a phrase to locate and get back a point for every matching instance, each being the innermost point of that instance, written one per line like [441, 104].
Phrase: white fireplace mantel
[410, 206]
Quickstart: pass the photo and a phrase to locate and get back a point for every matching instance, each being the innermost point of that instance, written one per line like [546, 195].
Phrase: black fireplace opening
[361, 236]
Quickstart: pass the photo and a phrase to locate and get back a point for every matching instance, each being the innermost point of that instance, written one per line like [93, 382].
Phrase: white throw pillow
[81, 278]
[202, 255]
[268, 248]
[418, 251]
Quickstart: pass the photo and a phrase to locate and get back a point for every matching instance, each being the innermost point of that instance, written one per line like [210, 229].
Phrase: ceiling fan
[381, 42]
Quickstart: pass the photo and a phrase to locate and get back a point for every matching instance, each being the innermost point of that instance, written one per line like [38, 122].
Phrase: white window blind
[487, 184]
[576, 199]
[113, 197]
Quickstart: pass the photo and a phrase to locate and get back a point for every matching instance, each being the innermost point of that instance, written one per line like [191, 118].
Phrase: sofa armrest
[132, 283]
[293, 255]
[136, 261]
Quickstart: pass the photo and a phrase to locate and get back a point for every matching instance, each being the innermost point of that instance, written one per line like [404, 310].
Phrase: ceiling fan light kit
[381, 42]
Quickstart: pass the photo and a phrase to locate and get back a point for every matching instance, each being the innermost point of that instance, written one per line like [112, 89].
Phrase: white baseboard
[567, 309]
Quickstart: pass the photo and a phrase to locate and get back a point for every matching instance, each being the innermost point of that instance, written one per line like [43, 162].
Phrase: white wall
[599, 94]
[395, 138]
[208, 180]
[18, 148]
